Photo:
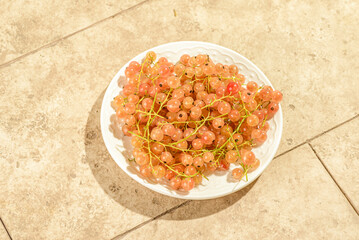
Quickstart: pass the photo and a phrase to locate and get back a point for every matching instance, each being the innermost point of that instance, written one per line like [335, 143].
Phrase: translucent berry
[224, 107]
[208, 157]
[197, 143]
[198, 162]
[157, 134]
[146, 170]
[159, 171]
[173, 105]
[187, 184]
[237, 173]
[232, 156]
[208, 137]
[252, 120]
[175, 183]
[233, 88]
[190, 170]
[168, 129]
[166, 157]
[195, 112]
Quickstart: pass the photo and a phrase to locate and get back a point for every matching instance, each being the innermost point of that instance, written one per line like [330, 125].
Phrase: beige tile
[339, 151]
[60, 182]
[308, 50]
[28, 25]
[57, 180]
[294, 199]
[3, 233]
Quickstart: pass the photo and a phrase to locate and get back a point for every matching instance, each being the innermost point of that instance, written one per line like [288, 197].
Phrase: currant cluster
[195, 117]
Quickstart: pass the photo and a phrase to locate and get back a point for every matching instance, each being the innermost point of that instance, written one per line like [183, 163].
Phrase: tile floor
[3, 233]
[57, 180]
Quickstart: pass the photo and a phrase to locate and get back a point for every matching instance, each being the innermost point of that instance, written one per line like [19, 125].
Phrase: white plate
[220, 183]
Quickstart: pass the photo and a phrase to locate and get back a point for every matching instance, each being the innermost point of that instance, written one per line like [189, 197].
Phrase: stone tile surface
[28, 25]
[57, 180]
[310, 65]
[294, 199]
[55, 168]
[339, 151]
[3, 233]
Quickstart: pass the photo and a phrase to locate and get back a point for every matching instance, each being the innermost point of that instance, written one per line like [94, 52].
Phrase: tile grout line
[316, 136]
[332, 128]
[2, 222]
[336, 183]
[150, 220]
[279, 155]
[289, 150]
[50, 44]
